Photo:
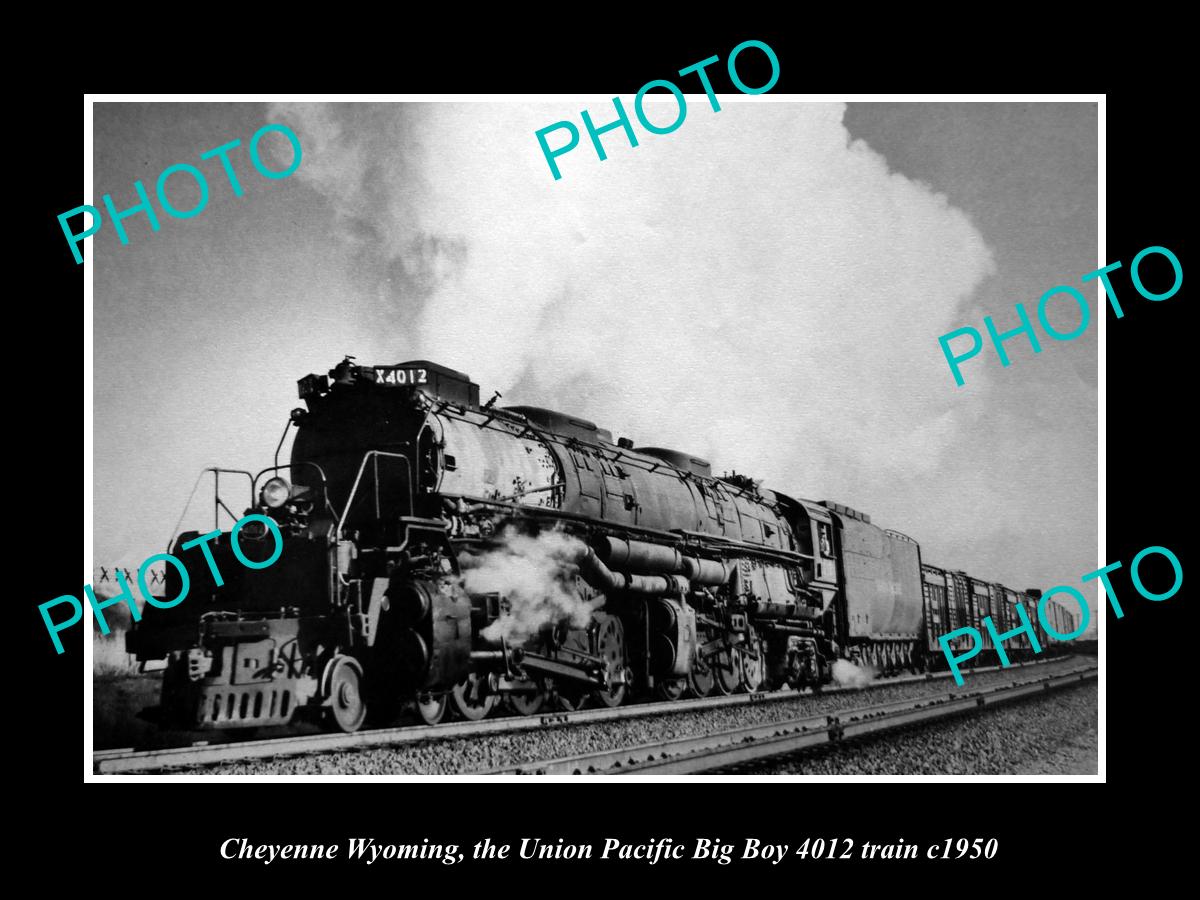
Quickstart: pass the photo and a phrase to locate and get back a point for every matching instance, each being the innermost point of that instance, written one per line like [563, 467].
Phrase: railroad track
[737, 746]
[131, 761]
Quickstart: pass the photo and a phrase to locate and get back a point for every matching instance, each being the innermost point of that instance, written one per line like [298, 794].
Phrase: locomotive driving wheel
[751, 665]
[569, 695]
[701, 680]
[343, 688]
[528, 703]
[670, 688]
[471, 699]
[726, 671]
[571, 699]
[610, 645]
[432, 707]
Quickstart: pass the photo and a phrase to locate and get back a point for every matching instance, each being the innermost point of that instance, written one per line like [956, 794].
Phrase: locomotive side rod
[547, 666]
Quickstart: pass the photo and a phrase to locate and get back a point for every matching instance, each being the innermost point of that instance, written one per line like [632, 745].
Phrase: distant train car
[961, 589]
[963, 607]
[981, 601]
[938, 620]
[1009, 600]
[1057, 617]
[1070, 621]
[1063, 621]
[999, 613]
[1030, 599]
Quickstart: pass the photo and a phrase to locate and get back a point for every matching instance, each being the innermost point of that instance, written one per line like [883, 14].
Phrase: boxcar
[981, 600]
[1030, 599]
[938, 610]
[1008, 603]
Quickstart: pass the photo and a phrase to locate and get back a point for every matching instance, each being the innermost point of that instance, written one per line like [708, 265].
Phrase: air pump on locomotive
[400, 479]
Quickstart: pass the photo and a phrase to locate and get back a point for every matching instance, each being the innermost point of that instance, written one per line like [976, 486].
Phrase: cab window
[825, 539]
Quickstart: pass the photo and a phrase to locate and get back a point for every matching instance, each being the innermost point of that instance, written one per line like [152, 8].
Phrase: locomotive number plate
[401, 376]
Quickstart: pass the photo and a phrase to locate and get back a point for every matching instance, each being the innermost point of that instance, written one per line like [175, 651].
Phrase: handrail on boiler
[374, 454]
[218, 503]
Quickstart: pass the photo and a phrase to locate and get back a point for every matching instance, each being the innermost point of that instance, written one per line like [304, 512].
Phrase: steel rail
[735, 746]
[129, 760]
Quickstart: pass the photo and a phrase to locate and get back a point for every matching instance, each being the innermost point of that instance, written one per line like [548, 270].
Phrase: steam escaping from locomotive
[849, 674]
[535, 575]
[109, 657]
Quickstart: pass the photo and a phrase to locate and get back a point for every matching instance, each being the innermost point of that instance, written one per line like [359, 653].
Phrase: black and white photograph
[698, 432]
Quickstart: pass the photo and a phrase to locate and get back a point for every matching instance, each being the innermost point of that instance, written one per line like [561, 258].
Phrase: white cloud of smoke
[109, 659]
[756, 287]
[536, 574]
[847, 674]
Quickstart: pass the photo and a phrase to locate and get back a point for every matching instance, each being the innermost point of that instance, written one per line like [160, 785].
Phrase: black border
[174, 830]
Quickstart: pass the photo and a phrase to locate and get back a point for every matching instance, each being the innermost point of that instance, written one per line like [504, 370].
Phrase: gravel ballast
[483, 752]
[1054, 734]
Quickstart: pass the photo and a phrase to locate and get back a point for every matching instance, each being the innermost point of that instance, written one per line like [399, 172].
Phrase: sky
[763, 287]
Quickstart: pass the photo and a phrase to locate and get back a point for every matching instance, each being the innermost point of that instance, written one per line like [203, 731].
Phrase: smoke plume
[118, 616]
[536, 574]
[847, 674]
[757, 273]
[109, 659]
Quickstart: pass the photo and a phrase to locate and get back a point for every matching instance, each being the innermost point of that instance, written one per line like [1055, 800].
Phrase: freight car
[668, 580]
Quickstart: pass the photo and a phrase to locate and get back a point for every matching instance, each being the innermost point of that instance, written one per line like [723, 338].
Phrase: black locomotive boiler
[400, 482]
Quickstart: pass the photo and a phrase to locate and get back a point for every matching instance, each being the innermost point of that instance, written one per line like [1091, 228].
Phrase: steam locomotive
[400, 482]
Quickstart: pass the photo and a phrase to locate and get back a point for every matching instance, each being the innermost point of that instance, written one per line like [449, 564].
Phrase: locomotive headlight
[275, 493]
